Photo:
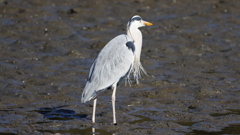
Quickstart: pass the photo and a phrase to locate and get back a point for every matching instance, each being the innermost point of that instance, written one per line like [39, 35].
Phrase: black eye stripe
[136, 19]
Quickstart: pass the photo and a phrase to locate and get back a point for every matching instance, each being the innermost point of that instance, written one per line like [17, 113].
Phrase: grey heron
[116, 61]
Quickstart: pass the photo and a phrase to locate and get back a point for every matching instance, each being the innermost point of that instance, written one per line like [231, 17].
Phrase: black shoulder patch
[131, 46]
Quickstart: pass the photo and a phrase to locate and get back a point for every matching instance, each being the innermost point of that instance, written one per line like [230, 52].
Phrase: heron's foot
[115, 124]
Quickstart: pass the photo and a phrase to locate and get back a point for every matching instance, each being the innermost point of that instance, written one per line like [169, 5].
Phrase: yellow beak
[147, 23]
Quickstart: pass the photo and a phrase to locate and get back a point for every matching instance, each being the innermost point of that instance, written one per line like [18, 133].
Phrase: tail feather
[88, 94]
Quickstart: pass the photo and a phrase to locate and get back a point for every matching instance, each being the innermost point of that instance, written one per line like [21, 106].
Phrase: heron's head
[137, 21]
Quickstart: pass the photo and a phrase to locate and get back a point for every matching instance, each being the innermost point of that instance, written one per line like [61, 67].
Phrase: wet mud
[191, 55]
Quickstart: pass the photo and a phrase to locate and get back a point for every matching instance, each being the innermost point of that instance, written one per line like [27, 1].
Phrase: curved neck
[136, 35]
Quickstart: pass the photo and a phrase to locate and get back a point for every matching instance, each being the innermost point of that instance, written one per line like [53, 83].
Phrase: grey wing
[113, 63]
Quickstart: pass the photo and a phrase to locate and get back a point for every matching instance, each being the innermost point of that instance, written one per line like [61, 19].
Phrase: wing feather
[113, 63]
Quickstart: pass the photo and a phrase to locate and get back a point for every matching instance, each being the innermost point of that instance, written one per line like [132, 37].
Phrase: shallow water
[191, 55]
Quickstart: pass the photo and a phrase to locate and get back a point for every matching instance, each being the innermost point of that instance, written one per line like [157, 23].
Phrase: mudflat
[191, 55]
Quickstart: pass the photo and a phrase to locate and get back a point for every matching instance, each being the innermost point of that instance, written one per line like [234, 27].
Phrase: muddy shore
[191, 55]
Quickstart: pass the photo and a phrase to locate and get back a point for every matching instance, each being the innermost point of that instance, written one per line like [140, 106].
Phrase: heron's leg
[94, 110]
[93, 130]
[113, 105]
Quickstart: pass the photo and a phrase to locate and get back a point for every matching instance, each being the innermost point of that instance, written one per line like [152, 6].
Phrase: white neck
[136, 35]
